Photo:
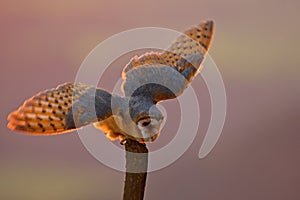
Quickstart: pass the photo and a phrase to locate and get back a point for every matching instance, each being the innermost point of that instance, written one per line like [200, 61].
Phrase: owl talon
[122, 141]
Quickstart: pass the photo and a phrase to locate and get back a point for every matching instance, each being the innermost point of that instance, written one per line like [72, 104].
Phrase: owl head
[149, 125]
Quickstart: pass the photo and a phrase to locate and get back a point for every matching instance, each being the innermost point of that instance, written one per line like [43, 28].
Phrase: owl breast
[117, 127]
[110, 128]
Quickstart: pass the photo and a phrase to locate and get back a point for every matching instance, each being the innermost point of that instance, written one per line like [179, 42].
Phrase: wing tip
[208, 26]
[17, 121]
[209, 23]
[18, 127]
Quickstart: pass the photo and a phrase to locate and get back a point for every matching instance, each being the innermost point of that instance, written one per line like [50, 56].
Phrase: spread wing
[62, 109]
[165, 75]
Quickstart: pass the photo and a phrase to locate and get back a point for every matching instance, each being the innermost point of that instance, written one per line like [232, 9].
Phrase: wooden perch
[136, 170]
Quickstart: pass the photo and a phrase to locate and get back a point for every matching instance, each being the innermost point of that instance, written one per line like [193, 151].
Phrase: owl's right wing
[61, 109]
[166, 75]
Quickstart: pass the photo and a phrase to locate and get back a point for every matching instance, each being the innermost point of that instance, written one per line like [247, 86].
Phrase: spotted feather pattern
[45, 113]
[146, 59]
[185, 55]
[187, 52]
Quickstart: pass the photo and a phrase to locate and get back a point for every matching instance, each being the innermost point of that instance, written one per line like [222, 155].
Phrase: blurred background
[256, 47]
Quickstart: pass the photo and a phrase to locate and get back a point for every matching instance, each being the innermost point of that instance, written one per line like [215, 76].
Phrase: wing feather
[175, 67]
[60, 109]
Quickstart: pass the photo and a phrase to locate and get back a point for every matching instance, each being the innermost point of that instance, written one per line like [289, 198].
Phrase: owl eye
[146, 123]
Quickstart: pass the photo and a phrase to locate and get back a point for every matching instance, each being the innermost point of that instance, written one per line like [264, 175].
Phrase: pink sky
[256, 49]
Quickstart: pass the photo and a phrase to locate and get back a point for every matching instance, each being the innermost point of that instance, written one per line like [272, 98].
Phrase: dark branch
[136, 170]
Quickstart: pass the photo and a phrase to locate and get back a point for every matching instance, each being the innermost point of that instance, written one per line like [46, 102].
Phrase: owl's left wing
[165, 75]
[62, 109]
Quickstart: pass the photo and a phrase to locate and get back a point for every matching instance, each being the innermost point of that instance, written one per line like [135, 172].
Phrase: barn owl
[147, 80]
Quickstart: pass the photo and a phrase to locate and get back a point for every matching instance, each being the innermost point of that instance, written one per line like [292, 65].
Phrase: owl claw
[122, 141]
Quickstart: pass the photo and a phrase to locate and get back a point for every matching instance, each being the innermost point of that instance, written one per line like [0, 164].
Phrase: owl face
[149, 128]
[145, 128]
